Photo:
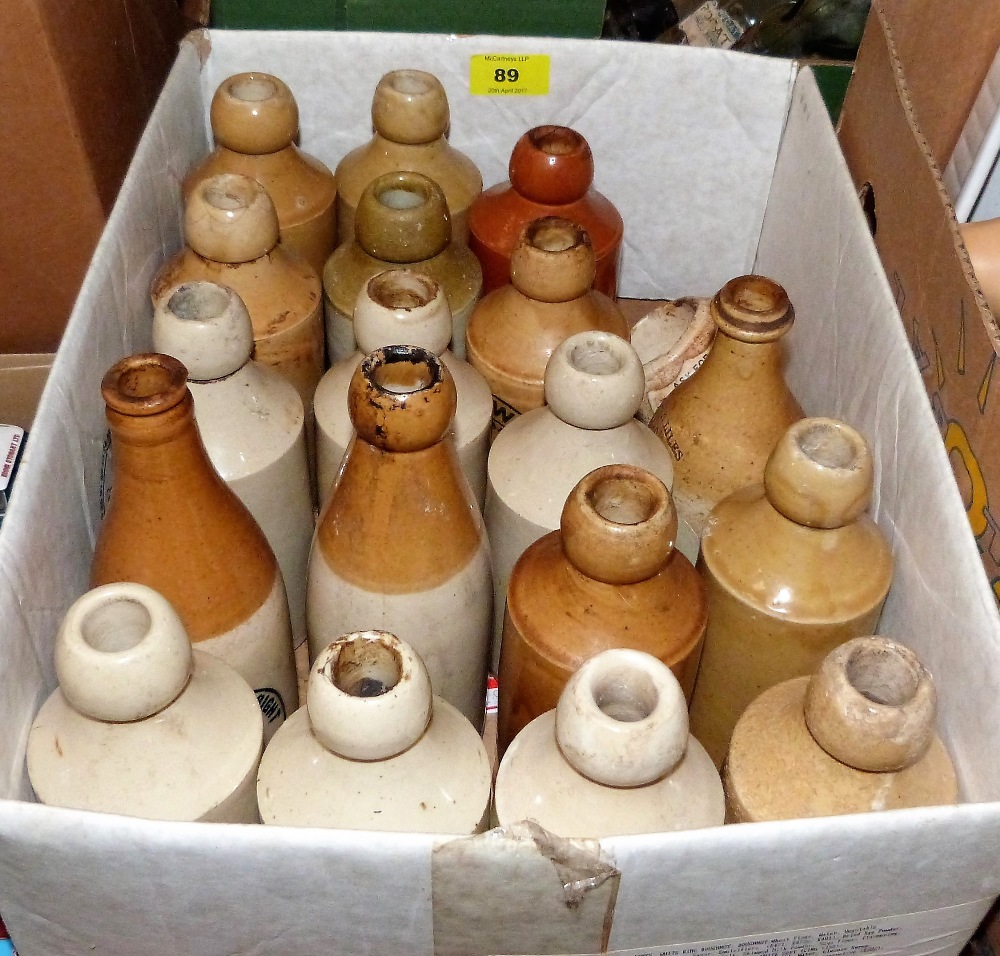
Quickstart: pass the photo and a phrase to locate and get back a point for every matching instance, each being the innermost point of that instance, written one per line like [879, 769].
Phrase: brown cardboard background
[78, 79]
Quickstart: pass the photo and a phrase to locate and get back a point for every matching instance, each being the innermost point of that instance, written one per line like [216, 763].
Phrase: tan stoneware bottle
[551, 171]
[251, 421]
[403, 307]
[400, 544]
[141, 724]
[857, 736]
[721, 424]
[610, 577]
[375, 749]
[255, 121]
[794, 568]
[593, 384]
[982, 242]
[411, 119]
[231, 230]
[402, 220]
[614, 757]
[514, 330]
[174, 525]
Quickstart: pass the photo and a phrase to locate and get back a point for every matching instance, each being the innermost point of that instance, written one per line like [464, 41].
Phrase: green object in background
[832, 79]
[563, 18]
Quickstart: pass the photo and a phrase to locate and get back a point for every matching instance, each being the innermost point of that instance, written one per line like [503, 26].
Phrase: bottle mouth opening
[828, 446]
[366, 668]
[253, 89]
[229, 195]
[402, 369]
[595, 358]
[398, 197]
[402, 289]
[626, 695]
[883, 675]
[623, 501]
[552, 234]
[556, 140]
[411, 82]
[198, 302]
[119, 625]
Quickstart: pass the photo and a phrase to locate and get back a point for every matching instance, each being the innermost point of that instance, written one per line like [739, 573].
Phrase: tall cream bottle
[403, 307]
[400, 544]
[251, 421]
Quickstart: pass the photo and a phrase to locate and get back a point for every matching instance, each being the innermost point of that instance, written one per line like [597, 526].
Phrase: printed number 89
[508, 76]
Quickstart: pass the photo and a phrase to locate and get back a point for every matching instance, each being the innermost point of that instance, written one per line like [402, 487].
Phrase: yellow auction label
[509, 74]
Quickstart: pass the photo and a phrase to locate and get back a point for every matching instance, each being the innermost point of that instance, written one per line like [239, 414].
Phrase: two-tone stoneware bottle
[231, 230]
[794, 567]
[402, 220]
[856, 736]
[411, 119]
[251, 421]
[614, 757]
[593, 385]
[375, 749]
[610, 577]
[551, 174]
[173, 524]
[142, 724]
[721, 424]
[400, 544]
[403, 307]
[514, 330]
[255, 122]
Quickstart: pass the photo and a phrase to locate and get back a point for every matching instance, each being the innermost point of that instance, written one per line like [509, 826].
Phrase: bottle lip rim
[145, 384]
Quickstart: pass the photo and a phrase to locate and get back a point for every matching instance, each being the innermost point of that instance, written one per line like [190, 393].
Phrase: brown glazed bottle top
[820, 474]
[872, 705]
[230, 218]
[753, 308]
[145, 384]
[402, 217]
[402, 398]
[553, 260]
[410, 107]
[552, 165]
[254, 113]
[619, 525]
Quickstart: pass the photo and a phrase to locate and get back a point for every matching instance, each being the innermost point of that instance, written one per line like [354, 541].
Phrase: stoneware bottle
[982, 242]
[400, 544]
[856, 736]
[255, 121]
[411, 119]
[514, 330]
[794, 568]
[551, 171]
[141, 724]
[403, 307]
[593, 385]
[402, 220]
[231, 230]
[174, 525]
[374, 749]
[614, 757]
[721, 424]
[251, 421]
[610, 577]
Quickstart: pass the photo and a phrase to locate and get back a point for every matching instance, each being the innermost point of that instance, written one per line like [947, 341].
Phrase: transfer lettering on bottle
[271, 705]
[710, 25]
[503, 414]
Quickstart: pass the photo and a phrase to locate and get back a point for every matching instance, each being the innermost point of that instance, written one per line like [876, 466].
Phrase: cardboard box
[78, 79]
[917, 74]
[721, 163]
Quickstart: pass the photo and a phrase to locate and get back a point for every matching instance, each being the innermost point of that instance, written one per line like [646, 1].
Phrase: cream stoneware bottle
[403, 307]
[402, 220]
[400, 544]
[374, 749]
[411, 119]
[142, 724]
[255, 121]
[593, 386]
[231, 230]
[857, 736]
[614, 757]
[173, 524]
[794, 567]
[251, 421]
